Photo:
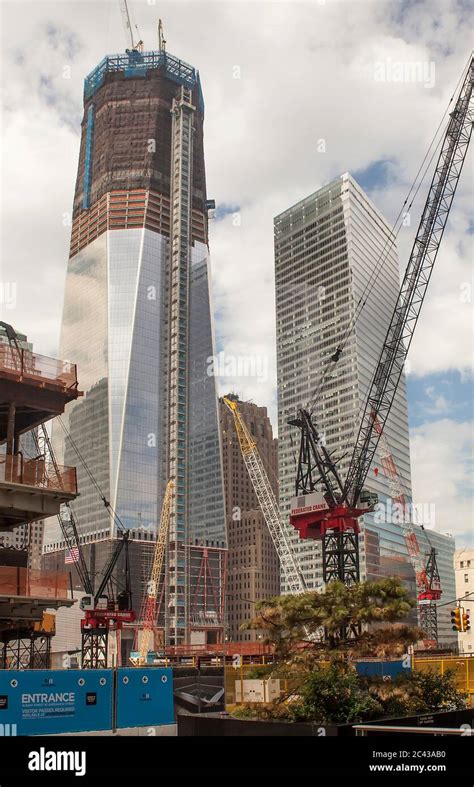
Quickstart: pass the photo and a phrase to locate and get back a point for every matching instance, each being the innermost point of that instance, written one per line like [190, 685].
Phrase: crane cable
[461, 79]
[92, 478]
[389, 243]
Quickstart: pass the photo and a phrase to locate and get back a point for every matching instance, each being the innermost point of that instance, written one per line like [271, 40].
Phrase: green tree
[365, 620]
[331, 696]
[293, 624]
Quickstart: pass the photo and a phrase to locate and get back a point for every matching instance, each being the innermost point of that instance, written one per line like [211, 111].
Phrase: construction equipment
[426, 573]
[326, 507]
[128, 27]
[147, 618]
[66, 518]
[103, 611]
[267, 501]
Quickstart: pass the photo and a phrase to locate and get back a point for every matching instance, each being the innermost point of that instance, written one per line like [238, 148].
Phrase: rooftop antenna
[161, 38]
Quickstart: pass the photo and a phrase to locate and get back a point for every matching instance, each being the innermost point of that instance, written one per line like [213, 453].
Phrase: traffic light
[456, 619]
[466, 622]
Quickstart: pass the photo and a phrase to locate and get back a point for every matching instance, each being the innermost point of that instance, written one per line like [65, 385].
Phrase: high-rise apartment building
[137, 319]
[326, 249]
[464, 573]
[254, 569]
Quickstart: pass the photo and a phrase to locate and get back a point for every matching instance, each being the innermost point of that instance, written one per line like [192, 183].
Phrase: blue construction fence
[45, 702]
[383, 669]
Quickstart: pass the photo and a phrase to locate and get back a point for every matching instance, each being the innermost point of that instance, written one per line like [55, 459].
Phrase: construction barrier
[48, 702]
[144, 697]
[383, 669]
[462, 668]
[44, 702]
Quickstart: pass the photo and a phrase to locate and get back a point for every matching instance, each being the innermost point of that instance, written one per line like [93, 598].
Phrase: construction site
[135, 578]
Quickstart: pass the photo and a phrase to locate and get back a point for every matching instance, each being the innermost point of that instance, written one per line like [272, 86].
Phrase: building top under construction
[138, 64]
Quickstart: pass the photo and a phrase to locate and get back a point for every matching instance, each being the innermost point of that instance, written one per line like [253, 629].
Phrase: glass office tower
[137, 320]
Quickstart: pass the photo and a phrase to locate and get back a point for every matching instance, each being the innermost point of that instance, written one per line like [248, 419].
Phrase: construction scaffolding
[207, 576]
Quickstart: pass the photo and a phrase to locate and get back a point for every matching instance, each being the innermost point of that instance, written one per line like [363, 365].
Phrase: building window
[466, 577]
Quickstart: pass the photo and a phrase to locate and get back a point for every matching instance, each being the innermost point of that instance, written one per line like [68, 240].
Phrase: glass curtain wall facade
[326, 247]
[137, 320]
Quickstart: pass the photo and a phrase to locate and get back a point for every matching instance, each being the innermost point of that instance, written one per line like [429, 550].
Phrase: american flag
[72, 555]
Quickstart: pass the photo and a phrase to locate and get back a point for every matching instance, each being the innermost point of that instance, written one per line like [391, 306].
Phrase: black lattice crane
[327, 507]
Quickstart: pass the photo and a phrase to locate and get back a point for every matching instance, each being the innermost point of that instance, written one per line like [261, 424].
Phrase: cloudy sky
[294, 97]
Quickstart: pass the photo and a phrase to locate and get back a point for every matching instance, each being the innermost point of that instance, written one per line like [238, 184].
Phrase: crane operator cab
[367, 500]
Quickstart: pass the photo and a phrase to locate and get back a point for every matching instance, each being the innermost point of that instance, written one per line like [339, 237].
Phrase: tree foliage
[293, 621]
[366, 620]
[419, 692]
[329, 695]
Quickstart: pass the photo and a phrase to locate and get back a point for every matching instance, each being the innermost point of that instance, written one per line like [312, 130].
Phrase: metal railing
[22, 364]
[364, 729]
[14, 469]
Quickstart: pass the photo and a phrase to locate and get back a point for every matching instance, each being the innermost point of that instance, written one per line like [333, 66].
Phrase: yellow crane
[267, 501]
[144, 638]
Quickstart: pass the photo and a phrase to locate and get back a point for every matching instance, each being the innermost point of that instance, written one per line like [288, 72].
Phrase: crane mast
[144, 636]
[325, 507]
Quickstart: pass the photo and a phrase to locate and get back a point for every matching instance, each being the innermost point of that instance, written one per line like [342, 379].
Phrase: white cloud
[441, 457]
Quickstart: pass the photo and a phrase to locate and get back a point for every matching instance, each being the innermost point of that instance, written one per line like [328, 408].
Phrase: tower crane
[103, 611]
[428, 581]
[326, 506]
[127, 23]
[144, 634]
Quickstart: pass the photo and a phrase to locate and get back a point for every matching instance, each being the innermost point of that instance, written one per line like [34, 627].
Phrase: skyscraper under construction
[137, 322]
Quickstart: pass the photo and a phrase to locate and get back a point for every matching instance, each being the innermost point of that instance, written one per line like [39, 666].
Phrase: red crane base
[315, 524]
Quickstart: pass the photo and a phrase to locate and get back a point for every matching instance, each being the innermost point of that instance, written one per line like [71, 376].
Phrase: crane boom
[414, 286]
[148, 609]
[267, 501]
[127, 24]
[66, 519]
[324, 508]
